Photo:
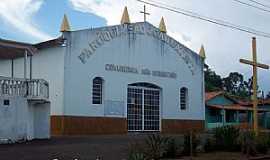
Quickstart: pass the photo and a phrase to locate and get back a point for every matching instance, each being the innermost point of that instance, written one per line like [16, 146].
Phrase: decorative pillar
[25, 64]
[237, 117]
[223, 117]
[31, 68]
[12, 68]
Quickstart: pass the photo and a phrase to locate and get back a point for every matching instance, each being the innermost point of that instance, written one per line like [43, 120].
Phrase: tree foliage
[213, 82]
[234, 83]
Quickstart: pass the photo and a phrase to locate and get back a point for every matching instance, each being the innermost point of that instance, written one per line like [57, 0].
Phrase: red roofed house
[222, 109]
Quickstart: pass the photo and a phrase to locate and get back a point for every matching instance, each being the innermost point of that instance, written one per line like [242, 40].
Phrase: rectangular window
[97, 91]
[183, 98]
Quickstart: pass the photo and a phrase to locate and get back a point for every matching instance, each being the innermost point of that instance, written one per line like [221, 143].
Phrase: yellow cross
[144, 13]
[254, 65]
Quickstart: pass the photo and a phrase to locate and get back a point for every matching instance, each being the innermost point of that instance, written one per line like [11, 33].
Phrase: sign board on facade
[144, 71]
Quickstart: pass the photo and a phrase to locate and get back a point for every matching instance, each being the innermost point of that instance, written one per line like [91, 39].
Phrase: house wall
[47, 64]
[41, 118]
[21, 120]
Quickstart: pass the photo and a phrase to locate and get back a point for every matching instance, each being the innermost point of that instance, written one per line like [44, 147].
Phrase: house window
[97, 90]
[183, 98]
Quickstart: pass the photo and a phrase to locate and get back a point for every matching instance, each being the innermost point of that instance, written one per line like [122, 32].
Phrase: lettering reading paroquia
[127, 69]
[110, 33]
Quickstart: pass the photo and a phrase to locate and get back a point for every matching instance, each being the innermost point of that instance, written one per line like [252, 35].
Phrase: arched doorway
[143, 107]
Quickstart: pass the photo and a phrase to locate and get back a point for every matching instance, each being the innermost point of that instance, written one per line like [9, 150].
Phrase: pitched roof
[236, 107]
[211, 95]
[239, 103]
[13, 49]
[50, 43]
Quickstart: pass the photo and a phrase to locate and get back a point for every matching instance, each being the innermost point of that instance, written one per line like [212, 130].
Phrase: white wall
[21, 120]
[14, 119]
[5, 68]
[41, 117]
[140, 51]
[48, 64]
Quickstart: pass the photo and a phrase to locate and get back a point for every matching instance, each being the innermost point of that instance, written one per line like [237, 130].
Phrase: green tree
[213, 82]
[234, 83]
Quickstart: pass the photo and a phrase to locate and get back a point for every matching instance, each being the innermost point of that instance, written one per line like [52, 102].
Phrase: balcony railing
[35, 89]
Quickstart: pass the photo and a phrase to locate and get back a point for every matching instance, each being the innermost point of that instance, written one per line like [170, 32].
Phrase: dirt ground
[70, 148]
[220, 156]
[86, 148]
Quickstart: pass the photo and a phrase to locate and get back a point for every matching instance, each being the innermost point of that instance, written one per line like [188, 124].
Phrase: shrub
[268, 139]
[247, 141]
[252, 144]
[210, 144]
[262, 144]
[227, 138]
[136, 156]
[156, 146]
[171, 149]
[136, 152]
[195, 143]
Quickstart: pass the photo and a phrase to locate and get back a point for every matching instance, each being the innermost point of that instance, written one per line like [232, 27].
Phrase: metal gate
[143, 109]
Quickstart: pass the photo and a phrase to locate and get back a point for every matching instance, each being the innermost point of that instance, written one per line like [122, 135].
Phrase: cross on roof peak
[144, 13]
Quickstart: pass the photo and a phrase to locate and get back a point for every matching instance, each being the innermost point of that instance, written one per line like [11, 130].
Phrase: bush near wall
[229, 138]
[156, 146]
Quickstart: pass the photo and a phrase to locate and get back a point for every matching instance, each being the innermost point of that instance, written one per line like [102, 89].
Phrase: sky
[39, 20]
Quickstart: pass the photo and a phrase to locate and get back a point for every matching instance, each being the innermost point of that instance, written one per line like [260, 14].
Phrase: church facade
[131, 77]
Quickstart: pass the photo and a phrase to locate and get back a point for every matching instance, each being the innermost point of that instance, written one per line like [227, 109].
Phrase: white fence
[35, 89]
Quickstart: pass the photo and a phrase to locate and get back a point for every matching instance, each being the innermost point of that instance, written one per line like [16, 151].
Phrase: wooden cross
[254, 64]
[144, 13]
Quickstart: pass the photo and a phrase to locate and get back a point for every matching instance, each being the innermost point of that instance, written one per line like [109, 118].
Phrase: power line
[204, 18]
[251, 5]
[259, 3]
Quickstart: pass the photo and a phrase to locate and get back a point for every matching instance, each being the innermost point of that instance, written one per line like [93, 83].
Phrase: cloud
[18, 14]
[112, 10]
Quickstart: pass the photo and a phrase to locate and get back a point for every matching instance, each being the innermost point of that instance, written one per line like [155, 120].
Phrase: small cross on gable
[144, 13]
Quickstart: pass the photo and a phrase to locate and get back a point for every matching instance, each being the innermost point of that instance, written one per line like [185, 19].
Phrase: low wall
[21, 119]
[76, 125]
[175, 126]
[15, 118]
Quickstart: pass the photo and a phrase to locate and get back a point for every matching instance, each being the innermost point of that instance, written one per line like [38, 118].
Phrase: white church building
[130, 77]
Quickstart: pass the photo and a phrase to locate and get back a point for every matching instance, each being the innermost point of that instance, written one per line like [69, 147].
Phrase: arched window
[97, 90]
[183, 98]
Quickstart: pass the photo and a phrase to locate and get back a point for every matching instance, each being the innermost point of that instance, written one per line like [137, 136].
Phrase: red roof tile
[210, 95]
